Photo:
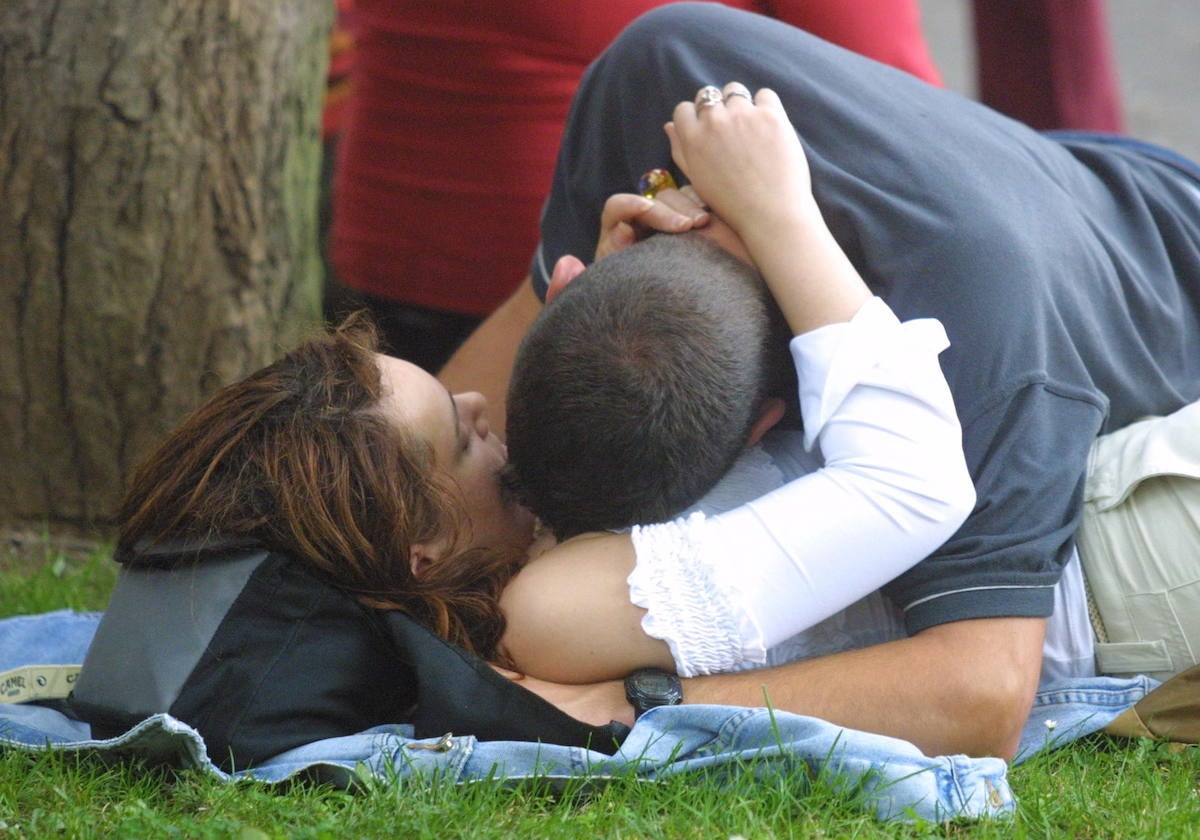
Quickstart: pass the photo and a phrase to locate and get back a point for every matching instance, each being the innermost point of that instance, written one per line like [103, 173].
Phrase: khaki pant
[1139, 543]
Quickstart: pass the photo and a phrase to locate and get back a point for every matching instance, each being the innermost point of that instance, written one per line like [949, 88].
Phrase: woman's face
[465, 450]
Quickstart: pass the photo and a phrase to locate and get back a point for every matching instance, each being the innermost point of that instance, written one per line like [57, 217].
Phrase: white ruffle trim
[685, 605]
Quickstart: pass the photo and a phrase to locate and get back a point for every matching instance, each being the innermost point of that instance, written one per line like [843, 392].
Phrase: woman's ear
[423, 555]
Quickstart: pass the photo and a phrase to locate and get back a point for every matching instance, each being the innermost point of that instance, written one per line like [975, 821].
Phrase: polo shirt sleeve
[1027, 452]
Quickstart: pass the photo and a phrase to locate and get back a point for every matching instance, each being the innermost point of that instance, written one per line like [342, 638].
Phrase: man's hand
[596, 704]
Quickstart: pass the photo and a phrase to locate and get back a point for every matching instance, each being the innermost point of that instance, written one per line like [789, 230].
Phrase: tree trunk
[159, 165]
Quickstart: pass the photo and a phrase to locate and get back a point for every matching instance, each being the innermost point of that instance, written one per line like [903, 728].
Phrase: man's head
[638, 386]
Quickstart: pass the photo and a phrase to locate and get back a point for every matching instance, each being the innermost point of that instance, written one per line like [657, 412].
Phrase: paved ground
[1158, 63]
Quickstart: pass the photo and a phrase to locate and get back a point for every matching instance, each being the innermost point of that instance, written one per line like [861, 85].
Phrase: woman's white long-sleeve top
[888, 485]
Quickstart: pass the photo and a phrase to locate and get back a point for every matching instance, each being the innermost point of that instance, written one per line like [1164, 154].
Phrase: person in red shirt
[435, 217]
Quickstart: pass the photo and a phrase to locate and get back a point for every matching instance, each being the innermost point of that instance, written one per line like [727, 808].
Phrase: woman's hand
[628, 217]
[743, 157]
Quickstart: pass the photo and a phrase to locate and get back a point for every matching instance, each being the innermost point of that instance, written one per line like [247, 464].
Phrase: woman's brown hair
[297, 456]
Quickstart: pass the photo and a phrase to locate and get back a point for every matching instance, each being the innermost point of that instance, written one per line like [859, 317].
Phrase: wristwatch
[648, 688]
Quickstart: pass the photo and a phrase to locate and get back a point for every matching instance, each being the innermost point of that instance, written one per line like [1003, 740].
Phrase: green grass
[1096, 788]
[36, 577]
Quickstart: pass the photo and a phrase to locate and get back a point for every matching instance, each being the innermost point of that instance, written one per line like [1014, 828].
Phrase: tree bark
[159, 164]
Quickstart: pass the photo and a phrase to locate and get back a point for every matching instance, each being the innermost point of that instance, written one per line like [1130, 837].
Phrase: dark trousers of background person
[425, 337]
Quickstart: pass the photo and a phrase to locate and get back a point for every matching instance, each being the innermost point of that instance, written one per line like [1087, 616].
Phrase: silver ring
[708, 97]
[738, 89]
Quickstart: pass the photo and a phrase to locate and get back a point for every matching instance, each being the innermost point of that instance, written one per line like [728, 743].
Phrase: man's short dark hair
[636, 388]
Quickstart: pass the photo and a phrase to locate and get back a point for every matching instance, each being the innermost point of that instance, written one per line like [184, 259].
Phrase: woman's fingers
[767, 98]
[736, 90]
[683, 201]
[741, 153]
[662, 208]
[690, 193]
[627, 217]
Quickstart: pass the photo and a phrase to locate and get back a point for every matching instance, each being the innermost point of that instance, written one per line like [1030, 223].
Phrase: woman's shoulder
[569, 617]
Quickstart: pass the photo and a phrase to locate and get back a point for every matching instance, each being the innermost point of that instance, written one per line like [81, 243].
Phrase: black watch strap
[648, 688]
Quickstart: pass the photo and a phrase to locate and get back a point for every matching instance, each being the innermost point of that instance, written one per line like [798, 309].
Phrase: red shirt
[453, 123]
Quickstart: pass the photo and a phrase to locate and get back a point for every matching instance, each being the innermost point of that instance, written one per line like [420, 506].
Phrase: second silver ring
[737, 89]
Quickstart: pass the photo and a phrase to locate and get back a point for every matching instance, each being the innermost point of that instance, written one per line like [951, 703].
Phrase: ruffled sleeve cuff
[685, 600]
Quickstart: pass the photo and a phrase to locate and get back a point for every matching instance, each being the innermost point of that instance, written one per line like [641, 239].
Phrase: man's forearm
[484, 362]
[965, 687]
[961, 688]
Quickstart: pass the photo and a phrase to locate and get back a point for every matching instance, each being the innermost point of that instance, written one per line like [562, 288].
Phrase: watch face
[649, 688]
[658, 685]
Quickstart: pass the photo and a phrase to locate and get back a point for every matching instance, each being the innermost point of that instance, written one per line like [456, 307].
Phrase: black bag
[260, 656]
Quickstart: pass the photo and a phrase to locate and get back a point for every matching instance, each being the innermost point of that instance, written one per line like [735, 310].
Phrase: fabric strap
[37, 682]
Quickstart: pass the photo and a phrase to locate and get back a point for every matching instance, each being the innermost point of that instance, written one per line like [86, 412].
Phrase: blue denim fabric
[891, 778]
[56, 638]
[1071, 709]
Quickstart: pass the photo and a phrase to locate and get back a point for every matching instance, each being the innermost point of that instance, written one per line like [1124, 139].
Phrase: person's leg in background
[1048, 63]
[338, 300]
